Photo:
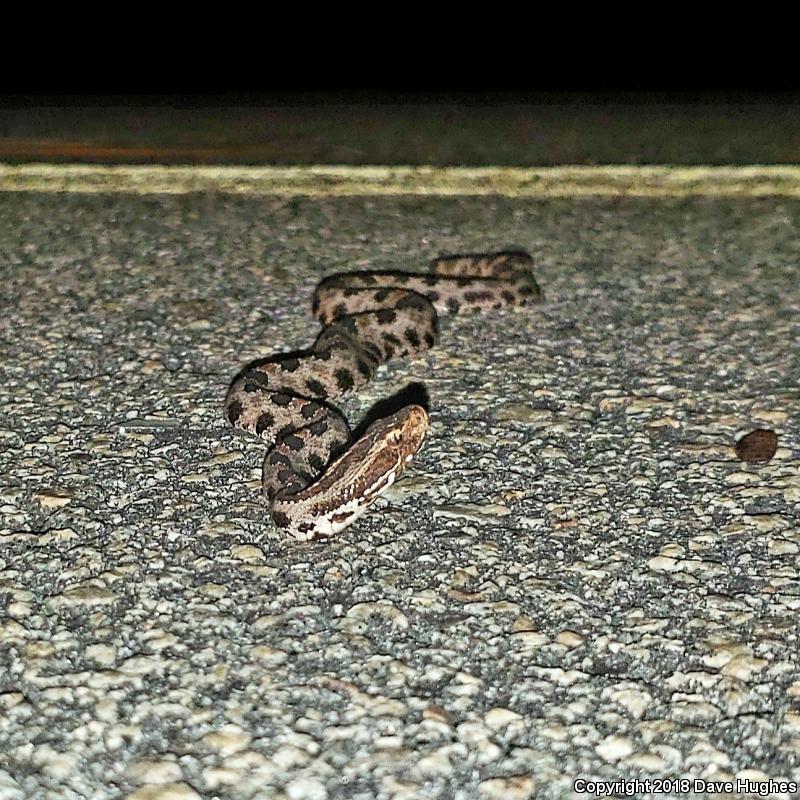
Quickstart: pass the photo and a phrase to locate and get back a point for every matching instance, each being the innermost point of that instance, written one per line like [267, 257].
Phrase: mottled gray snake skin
[313, 482]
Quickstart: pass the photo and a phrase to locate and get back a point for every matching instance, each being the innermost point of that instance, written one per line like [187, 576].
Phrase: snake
[315, 480]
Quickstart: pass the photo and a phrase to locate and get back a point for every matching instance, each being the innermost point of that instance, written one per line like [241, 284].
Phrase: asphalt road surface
[578, 578]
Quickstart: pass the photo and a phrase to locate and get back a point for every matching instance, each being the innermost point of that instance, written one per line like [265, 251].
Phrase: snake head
[405, 430]
[387, 446]
[357, 478]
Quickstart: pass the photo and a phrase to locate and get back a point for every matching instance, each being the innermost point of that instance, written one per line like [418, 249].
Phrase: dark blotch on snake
[290, 364]
[385, 316]
[234, 410]
[315, 387]
[293, 442]
[310, 409]
[411, 300]
[348, 324]
[373, 350]
[453, 305]
[281, 399]
[477, 296]
[258, 376]
[413, 337]
[316, 462]
[318, 428]
[265, 420]
[344, 379]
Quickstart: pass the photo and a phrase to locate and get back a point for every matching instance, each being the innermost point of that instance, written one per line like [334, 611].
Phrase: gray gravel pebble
[578, 578]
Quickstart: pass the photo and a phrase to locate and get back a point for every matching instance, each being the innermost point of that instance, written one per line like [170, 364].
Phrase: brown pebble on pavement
[758, 445]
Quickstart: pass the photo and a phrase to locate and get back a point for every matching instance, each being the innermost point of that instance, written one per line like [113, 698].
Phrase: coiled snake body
[314, 484]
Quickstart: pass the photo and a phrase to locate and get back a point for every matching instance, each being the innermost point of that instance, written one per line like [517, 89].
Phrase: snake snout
[415, 427]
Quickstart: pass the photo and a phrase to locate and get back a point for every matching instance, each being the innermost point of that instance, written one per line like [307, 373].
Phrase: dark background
[404, 127]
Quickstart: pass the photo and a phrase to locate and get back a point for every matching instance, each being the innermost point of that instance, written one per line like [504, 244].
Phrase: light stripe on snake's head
[352, 482]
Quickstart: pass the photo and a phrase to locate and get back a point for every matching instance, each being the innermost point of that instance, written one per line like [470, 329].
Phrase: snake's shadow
[413, 394]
